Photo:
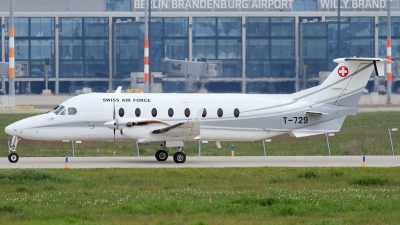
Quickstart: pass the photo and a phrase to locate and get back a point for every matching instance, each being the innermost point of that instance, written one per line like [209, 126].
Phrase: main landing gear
[13, 156]
[162, 154]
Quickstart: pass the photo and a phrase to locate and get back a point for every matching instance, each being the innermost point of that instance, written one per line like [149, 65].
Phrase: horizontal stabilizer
[320, 128]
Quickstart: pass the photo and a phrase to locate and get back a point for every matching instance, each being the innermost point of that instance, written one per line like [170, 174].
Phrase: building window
[118, 5]
[204, 27]
[382, 32]
[175, 38]
[304, 5]
[42, 27]
[96, 27]
[229, 26]
[176, 27]
[70, 27]
[257, 27]
[204, 48]
[21, 27]
[83, 47]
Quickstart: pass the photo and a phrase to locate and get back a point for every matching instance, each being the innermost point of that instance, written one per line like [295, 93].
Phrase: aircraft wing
[185, 128]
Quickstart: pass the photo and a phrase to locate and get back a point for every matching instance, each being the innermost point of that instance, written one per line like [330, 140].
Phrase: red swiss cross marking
[343, 71]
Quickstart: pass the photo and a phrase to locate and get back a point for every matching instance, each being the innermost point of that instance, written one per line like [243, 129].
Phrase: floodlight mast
[389, 57]
[146, 47]
[11, 53]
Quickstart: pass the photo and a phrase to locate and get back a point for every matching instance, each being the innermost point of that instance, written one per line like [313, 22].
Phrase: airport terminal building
[265, 46]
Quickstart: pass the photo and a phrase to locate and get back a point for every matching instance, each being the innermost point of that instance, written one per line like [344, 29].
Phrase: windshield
[58, 109]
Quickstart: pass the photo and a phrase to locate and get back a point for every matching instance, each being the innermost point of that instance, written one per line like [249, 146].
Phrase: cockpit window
[62, 112]
[58, 109]
[72, 111]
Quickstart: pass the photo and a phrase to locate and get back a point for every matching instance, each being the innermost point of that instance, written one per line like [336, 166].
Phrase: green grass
[316, 196]
[364, 134]
[201, 196]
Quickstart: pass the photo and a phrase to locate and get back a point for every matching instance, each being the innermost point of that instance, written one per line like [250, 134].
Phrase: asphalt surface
[207, 161]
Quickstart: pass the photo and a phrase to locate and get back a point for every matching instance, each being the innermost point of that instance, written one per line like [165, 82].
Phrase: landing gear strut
[13, 156]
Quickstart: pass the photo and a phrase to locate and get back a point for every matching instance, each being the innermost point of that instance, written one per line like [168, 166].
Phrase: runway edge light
[363, 163]
[232, 150]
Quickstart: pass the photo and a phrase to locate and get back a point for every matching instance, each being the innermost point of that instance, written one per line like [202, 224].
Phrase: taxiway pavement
[206, 161]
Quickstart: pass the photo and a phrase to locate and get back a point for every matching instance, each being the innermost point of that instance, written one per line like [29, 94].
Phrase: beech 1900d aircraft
[171, 119]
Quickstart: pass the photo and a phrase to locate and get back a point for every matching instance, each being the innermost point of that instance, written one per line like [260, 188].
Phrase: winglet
[118, 91]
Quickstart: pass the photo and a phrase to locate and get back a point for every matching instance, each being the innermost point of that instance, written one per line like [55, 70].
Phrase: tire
[179, 157]
[13, 157]
[156, 155]
[161, 155]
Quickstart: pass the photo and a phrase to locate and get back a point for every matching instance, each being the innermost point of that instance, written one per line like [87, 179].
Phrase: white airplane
[171, 119]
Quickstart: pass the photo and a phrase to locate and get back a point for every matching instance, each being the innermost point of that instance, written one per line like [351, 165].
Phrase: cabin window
[220, 112]
[137, 112]
[187, 112]
[154, 112]
[236, 112]
[121, 112]
[72, 111]
[204, 112]
[170, 112]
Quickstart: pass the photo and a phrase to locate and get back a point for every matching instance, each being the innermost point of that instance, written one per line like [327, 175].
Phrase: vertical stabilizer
[344, 86]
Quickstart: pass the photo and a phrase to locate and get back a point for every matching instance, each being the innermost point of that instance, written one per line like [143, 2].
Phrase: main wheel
[13, 157]
[179, 157]
[161, 155]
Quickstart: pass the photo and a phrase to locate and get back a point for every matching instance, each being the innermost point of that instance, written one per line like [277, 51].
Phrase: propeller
[115, 122]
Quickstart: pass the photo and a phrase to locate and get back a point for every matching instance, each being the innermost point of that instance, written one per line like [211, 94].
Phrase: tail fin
[344, 86]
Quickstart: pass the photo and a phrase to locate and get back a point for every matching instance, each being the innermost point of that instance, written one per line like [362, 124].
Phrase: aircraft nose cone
[8, 130]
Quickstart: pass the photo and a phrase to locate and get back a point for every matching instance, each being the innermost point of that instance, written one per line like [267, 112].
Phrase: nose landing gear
[13, 156]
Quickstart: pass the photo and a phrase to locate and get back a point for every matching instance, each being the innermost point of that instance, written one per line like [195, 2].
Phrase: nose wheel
[13, 157]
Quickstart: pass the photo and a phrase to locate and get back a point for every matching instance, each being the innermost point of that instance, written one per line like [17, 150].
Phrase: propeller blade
[114, 141]
[114, 112]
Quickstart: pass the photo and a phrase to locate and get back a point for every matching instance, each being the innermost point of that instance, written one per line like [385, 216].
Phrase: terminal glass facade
[175, 37]
[34, 41]
[83, 48]
[129, 47]
[280, 53]
[219, 38]
[118, 5]
[319, 43]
